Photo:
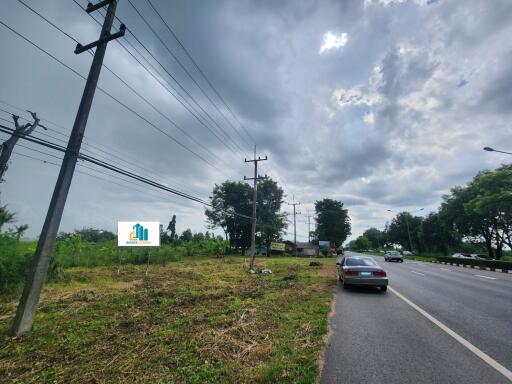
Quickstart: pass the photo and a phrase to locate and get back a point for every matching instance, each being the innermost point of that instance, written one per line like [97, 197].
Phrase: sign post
[139, 234]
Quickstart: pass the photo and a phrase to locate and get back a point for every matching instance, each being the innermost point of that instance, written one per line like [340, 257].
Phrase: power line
[112, 97]
[103, 153]
[188, 106]
[184, 90]
[202, 73]
[128, 174]
[123, 81]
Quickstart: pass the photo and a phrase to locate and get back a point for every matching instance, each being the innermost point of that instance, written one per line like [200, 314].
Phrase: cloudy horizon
[383, 104]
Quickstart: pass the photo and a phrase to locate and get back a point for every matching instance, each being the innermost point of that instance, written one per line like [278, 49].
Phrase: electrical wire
[200, 71]
[112, 97]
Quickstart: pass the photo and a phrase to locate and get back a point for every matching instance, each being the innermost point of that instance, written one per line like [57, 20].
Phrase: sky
[381, 104]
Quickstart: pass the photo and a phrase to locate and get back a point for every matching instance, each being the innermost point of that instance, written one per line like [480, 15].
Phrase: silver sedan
[361, 270]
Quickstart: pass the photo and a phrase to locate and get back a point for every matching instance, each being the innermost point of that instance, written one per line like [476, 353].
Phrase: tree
[375, 237]
[172, 228]
[481, 212]
[186, 235]
[198, 237]
[333, 222]
[232, 209]
[438, 236]
[405, 230]
[270, 222]
[229, 201]
[362, 244]
[6, 217]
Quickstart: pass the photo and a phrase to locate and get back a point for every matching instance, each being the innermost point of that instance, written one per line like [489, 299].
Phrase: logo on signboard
[138, 233]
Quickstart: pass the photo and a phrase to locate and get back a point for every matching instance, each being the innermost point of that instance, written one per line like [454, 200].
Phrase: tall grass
[16, 255]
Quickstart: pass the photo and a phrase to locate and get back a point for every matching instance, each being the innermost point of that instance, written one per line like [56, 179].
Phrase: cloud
[394, 122]
[333, 41]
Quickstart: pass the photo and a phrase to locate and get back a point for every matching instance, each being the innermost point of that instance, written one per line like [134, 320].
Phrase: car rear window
[353, 262]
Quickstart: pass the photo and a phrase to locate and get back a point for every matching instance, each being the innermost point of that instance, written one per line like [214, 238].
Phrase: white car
[393, 256]
[407, 253]
[461, 255]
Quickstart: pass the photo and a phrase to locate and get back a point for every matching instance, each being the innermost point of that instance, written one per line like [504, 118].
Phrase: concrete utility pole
[35, 280]
[254, 200]
[294, 224]
[8, 145]
[309, 226]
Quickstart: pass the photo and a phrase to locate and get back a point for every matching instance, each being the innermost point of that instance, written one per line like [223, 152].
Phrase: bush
[73, 251]
[13, 263]
[496, 264]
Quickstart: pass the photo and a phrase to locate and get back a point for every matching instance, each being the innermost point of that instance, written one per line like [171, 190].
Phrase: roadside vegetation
[197, 320]
[91, 248]
[474, 218]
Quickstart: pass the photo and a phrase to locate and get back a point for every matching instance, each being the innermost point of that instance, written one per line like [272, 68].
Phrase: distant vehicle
[407, 253]
[393, 256]
[476, 256]
[340, 251]
[361, 271]
[461, 255]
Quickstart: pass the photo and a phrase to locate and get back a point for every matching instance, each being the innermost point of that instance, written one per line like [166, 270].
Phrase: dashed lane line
[486, 277]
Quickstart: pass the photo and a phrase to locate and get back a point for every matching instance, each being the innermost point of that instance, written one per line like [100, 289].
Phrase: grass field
[200, 320]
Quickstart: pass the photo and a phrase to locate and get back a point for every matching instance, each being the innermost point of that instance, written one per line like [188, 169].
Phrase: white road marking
[445, 269]
[418, 273]
[486, 277]
[485, 357]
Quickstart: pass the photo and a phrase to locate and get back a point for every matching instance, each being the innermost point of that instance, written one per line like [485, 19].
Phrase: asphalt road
[380, 338]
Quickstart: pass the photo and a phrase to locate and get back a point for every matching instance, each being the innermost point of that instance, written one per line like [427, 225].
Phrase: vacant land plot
[195, 321]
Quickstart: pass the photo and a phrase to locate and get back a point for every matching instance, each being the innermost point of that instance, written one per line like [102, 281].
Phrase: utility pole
[254, 200]
[309, 226]
[41, 260]
[294, 224]
[8, 145]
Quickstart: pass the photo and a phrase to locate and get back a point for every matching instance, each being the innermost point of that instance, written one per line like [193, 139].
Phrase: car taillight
[379, 273]
[351, 272]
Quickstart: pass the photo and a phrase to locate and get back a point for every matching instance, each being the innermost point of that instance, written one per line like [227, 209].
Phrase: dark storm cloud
[378, 122]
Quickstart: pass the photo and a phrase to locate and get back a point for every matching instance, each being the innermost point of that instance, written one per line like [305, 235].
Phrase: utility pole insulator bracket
[91, 7]
[82, 48]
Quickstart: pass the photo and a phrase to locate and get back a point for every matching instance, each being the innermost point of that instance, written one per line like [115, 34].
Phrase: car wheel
[401, 261]
[384, 288]
[346, 286]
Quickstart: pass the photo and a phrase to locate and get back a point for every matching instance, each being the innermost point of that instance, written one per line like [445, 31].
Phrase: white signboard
[138, 233]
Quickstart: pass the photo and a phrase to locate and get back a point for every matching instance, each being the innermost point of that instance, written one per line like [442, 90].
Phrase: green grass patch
[199, 320]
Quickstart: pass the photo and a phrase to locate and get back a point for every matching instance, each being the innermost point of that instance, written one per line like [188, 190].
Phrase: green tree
[438, 235]
[362, 244]
[6, 217]
[481, 212]
[375, 237]
[406, 230]
[333, 222]
[172, 228]
[229, 199]
[232, 209]
[272, 222]
[186, 235]
[198, 237]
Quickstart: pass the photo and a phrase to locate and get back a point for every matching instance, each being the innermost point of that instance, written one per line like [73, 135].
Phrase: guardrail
[489, 265]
